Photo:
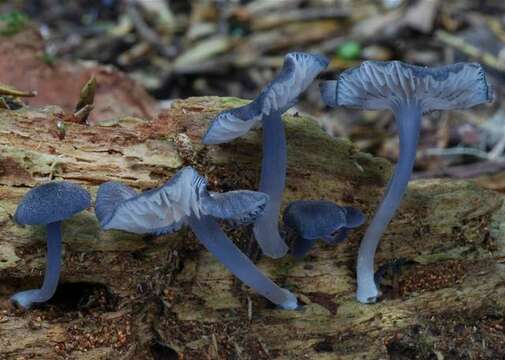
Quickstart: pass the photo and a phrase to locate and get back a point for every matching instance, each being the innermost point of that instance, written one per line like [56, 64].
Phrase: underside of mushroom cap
[297, 73]
[156, 211]
[239, 207]
[314, 219]
[231, 124]
[376, 85]
[51, 202]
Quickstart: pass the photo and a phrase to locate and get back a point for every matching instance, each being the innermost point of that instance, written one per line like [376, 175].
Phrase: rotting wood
[169, 295]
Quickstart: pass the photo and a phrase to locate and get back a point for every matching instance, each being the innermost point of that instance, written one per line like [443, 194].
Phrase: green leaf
[350, 50]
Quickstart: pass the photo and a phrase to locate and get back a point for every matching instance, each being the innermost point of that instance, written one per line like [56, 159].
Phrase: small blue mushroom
[297, 73]
[184, 200]
[49, 204]
[314, 219]
[409, 92]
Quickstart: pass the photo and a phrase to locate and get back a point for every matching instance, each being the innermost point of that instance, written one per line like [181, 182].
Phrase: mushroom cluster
[406, 90]
[298, 72]
[184, 200]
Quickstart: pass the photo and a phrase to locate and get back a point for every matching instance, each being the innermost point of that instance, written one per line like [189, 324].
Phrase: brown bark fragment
[22, 66]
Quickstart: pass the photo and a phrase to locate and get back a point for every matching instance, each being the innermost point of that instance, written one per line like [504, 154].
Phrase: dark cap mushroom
[49, 204]
[184, 200]
[318, 219]
[297, 73]
[408, 91]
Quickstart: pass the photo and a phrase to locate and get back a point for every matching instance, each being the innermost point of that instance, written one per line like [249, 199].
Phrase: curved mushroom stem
[215, 240]
[408, 120]
[26, 298]
[273, 178]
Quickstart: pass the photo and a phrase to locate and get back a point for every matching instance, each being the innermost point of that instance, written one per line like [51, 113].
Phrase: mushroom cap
[157, 211]
[377, 85]
[108, 197]
[354, 217]
[239, 207]
[51, 202]
[313, 219]
[297, 73]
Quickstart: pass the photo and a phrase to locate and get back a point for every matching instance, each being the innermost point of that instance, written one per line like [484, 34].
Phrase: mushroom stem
[302, 246]
[273, 177]
[408, 120]
[212, 237]
[26, 298]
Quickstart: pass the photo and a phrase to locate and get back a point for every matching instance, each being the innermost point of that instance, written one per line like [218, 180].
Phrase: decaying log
[126, 296]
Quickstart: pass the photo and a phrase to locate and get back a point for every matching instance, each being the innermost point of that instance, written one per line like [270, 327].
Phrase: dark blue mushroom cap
[297, 73]
[353, 217]
[312, 219]
[376, 85]
[51, 202]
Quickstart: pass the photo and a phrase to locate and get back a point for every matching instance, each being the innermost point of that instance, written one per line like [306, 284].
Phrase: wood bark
[132, 297]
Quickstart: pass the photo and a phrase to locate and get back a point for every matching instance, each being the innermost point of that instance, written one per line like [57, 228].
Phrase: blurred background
[177, 48]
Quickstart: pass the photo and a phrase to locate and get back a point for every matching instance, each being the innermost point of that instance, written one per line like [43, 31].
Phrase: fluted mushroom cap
[377, 85]
[161, 210]
[238, 207]
[165, 209]
[297, 73]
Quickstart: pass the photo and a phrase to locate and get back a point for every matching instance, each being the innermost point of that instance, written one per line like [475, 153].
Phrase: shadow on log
[125, 296]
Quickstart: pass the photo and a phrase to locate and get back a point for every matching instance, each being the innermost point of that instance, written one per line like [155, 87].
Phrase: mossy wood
[125, 296]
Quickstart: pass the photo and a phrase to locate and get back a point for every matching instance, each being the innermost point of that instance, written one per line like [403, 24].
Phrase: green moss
[311, 148]
[12, 23]
[231, 102]
[284, 267]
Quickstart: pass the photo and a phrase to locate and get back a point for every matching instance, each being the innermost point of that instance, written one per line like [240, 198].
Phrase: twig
[468, 49]
[7, 90]
[82, 115]
[147, 34]
[497, 150]
[3, 104]
[284, 17]
[52, 168]
[460, 151]
[249, 308]
[216, 346]
[464, 171]
[87, 94]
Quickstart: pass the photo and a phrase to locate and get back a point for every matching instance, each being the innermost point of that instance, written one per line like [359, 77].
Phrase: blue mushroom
[184, 200]
[298, 72]
[316, 219]
[409, 92]
[49, 204]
